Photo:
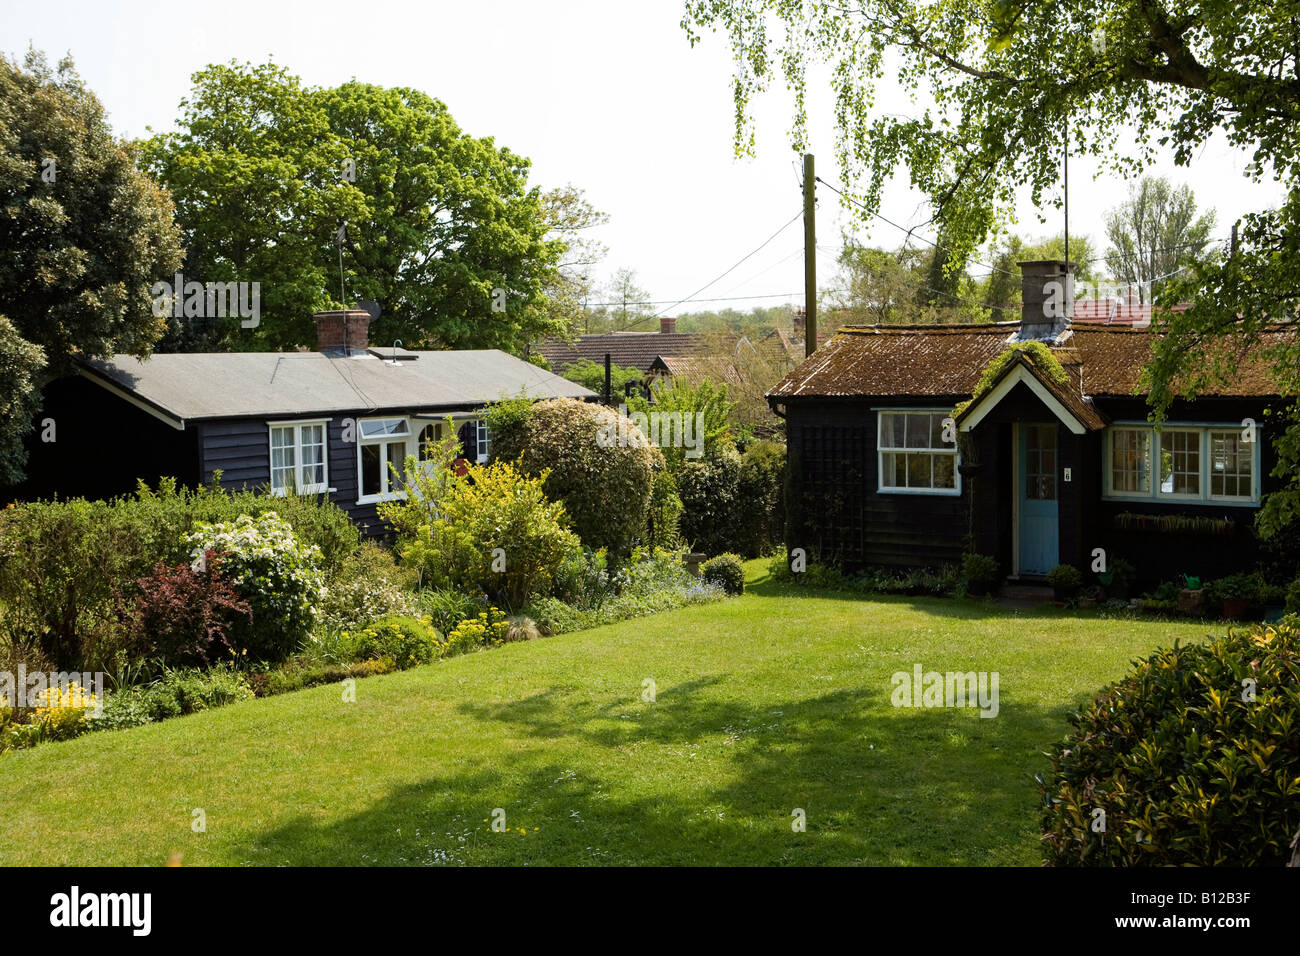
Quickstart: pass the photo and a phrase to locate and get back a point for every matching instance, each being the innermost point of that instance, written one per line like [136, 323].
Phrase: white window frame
[881, 451]
[1156, 495]
[1236, 430]
[1108, 459]
[1157, 443]
[387, 493]
[314, 488]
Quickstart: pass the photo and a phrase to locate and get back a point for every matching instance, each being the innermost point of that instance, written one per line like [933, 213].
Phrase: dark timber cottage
[1041, 472]
[323, 422]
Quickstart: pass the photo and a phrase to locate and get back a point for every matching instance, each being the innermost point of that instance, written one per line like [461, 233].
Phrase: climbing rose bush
[276, 573]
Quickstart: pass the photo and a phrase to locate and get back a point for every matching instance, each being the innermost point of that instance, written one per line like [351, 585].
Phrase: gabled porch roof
[1065, 401]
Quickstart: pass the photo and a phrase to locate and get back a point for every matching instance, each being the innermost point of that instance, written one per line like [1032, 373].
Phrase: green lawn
[765, 703]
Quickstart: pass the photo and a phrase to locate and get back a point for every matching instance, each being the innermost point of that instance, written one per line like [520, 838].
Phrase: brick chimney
[800, 323]
[1046, 299]
[667, 325]
[342, 331]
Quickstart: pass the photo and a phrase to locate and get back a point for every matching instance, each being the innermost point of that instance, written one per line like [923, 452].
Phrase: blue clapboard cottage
[896, 461]
[324, 422]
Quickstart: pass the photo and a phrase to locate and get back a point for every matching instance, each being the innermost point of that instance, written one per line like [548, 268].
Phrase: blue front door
[1036, 484]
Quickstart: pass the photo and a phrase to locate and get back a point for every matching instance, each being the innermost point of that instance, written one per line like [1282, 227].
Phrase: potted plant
[982, 574]
[1236, 592]
[1065, 580]
[1118, 579]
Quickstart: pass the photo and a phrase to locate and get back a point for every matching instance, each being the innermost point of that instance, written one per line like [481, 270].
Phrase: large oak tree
[440, 228]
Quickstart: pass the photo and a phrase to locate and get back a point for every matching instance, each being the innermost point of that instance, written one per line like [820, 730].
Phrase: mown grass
[770, 702]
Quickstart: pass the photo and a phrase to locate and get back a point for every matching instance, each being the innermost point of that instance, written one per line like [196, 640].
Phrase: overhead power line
[711, 282]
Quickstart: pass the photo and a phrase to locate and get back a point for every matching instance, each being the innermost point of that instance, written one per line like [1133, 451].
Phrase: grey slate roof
[194, 386]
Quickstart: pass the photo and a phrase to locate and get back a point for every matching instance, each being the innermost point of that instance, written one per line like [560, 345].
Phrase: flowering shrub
[273, 571]
[493, 531]
[366, 587]
[488, 629]
[183, 616]
[61, 710]
[406, 641]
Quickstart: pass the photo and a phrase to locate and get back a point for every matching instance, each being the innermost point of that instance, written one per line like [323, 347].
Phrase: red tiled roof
[626, 349]
[1114, 312]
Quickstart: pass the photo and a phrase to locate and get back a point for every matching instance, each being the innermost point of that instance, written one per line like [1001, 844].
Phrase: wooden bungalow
[895, 460]
[326, 422]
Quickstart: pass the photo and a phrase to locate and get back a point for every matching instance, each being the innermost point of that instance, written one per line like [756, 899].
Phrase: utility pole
[809, 255]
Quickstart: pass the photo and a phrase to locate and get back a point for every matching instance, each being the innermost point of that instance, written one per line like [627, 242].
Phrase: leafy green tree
[591, 375]
[1011, 85]
[1154, 232]
[569, 217]
[705, 399]
[438, 227]
[257, 177]
[625, 308]
[83, 236]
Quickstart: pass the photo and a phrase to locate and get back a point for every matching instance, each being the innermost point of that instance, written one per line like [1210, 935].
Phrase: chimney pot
[342, 331]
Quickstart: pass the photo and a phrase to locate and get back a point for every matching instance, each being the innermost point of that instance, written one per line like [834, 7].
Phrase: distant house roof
[1114, 312]
[626, 349]
[194, 386]
[695, 369]
[946, 361]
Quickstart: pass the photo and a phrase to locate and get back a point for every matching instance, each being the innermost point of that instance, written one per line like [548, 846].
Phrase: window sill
[941, 492]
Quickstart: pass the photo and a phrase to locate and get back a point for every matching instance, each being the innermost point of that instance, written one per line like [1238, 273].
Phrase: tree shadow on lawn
[696, 778]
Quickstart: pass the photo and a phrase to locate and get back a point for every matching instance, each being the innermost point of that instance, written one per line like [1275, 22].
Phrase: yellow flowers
[62, 709]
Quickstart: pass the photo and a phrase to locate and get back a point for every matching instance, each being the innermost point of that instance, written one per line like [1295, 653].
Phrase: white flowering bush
[276, 573]
[368, 586]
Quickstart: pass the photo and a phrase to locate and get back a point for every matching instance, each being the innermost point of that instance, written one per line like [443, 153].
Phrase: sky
[607, 96]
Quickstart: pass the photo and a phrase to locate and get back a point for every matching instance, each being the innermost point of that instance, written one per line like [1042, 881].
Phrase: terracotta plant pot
[1235, 608]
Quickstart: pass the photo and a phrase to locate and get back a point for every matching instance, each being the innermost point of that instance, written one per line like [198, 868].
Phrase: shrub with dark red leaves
[181, 615]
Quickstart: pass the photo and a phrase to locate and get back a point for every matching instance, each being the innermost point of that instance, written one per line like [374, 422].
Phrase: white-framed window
[1180, 462]
[430, 435]
[475, 440]
[1183, 462]
[1233, 474]
[298, 457]
[913, 456]
[1129, 472]
[381, 443]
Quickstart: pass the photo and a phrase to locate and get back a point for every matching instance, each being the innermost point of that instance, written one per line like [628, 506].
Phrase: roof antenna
[339, 237]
